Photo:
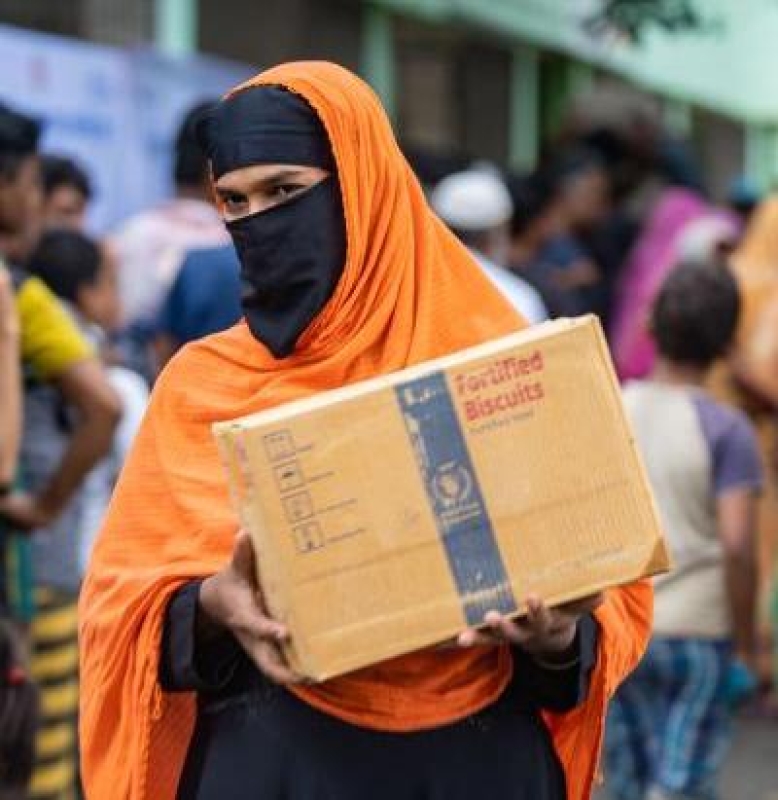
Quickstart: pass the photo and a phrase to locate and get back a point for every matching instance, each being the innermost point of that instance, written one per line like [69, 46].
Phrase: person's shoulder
[143, 230]
[647, 397]
[727, 416]
[725, 425]
[34, 298]
[633, 387]
[204, 260]
[139, 223]
[524, 297]
[51, 341]
[635, 391]
[733, 444]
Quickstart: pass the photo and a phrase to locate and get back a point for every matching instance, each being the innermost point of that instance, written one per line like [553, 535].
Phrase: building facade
[480, 78]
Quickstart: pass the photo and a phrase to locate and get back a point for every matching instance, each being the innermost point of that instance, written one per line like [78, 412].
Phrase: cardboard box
[391, 514]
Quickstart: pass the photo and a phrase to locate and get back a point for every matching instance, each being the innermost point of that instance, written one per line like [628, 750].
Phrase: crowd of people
[613, 222]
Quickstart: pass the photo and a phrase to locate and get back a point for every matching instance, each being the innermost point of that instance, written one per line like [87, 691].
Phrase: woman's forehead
[263, 125]
[256, 174]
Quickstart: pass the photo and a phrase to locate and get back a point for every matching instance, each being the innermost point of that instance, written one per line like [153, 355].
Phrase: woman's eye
[234, 202]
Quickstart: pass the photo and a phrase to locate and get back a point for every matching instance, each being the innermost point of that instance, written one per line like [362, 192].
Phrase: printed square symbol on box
[289, 476]
[308, 536]
[279, 445]
[298, 506]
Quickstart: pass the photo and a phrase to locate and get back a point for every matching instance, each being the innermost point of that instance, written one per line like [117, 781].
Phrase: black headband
[263, 125]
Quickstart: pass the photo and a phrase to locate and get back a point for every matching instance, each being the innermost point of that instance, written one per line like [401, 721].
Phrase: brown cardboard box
[391, 514]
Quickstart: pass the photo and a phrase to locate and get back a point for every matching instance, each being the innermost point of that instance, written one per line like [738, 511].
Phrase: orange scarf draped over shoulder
[409, 292]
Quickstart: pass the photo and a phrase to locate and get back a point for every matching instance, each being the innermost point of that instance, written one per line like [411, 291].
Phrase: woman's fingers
[540, 627]
[269, 660]
[243, 558]
[258, 626]
[472, 637]
[272, 663]
[258, 633]
[540, 618]
[254, 620]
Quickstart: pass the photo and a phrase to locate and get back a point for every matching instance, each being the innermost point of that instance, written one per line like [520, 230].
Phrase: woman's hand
[231, 599]
[545, 633]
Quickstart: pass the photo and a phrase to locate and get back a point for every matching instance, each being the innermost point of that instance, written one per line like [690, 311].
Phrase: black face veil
[292, 255]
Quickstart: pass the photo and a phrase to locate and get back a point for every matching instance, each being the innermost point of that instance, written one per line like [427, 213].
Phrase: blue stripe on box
[455, 497]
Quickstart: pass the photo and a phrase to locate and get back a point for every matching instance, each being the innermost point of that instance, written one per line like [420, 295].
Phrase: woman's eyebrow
[265, 181]
[282, 174]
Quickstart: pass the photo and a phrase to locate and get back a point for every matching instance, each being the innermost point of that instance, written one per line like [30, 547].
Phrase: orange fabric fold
[409, 292]
[748, 379]
[755, 264]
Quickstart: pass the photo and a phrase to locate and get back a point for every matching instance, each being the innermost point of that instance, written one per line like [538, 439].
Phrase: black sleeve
[193, 659]
[554, 689]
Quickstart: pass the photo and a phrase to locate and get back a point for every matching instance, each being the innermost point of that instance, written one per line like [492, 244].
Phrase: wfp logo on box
[452, 485]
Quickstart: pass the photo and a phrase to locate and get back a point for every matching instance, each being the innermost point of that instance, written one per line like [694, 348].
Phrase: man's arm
[57, 353]
[10, 381]
[86, 388]
[736, 511]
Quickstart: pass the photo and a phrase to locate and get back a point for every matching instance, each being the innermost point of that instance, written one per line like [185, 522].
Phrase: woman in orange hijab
[348, 275]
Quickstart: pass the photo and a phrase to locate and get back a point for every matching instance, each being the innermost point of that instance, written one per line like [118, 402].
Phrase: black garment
[293, 254]
[263, 125]
[256, 741]
[291, 258]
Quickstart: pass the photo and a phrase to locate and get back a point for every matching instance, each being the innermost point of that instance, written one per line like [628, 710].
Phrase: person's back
[83, 275]
[706, 450]
[703, 464]
[204, 299]
[151, 248]
[151, 245]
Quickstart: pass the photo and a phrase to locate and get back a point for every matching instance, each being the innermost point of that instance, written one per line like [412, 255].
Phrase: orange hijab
[755, 264]
[409, 292]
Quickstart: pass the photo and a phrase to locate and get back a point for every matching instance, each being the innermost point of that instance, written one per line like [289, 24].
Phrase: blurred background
[462, 79]
[628, 133]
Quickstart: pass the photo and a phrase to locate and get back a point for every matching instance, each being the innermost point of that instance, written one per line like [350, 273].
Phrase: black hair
[19, 136]
[696, 312]
[476, 240]
[606, 144]
[571, 163]
[59, 171]
[66, 261]
[531, 195]
[190, 166]
[19, 716]
[430, 165]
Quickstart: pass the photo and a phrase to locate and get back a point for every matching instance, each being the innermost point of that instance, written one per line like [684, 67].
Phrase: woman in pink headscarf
[677, 212]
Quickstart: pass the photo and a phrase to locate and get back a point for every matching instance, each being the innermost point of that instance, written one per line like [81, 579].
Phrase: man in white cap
[477, 206]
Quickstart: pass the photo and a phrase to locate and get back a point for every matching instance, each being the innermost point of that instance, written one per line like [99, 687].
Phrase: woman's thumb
[243, 556]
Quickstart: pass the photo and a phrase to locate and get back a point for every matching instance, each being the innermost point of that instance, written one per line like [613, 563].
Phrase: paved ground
[752, 770]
